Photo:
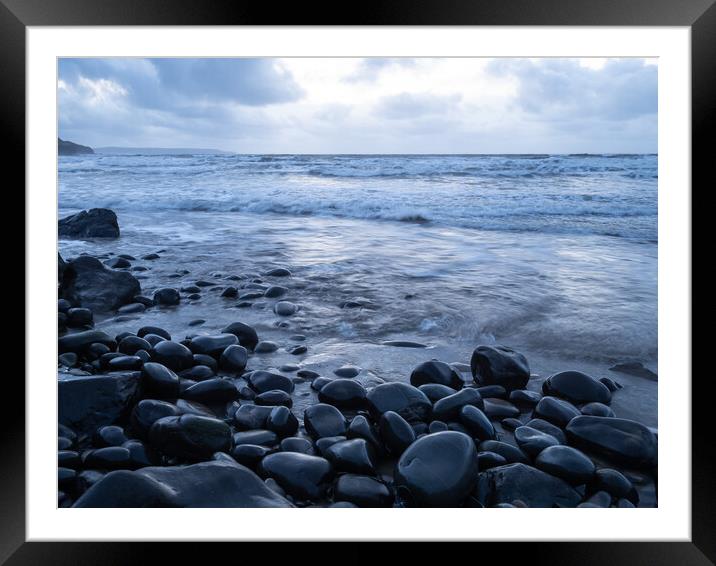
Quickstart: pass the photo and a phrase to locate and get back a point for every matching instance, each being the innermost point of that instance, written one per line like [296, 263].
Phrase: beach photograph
[357, 282]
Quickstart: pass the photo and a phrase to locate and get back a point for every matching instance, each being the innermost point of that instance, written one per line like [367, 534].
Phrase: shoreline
[299, 366]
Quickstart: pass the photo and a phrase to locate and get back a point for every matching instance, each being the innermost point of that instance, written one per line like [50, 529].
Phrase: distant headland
[65, 147]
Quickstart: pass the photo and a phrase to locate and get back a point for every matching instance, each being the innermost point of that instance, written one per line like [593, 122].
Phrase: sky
[353, 105]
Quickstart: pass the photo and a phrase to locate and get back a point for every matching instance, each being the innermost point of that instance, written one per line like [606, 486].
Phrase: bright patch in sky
[351, 105]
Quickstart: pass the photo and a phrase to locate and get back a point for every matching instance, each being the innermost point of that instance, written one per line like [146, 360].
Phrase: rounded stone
[449, 456]
[512, 454]
[576, 387]
[406, 400]
[262, 381]
[296, 444]
[533, 441]
[212, 391]
[110, 458]
[597, 410]
[477, 423]
[396, 432]
[273, 398]
[125, 363]
[282, 421]
[110, 435]
[144, 330]
[487, 460]
[285, 308]
[160, 381]
[192, 437]
[166, 296]
[566, 463]
[500, 365]
[448, 408]
[173, 355]
[355, 456]
[250, 455]
[266, 347]
[549, 428]
[300, 475]
[347, 371]
[323, 420]
[614, 483]
[147, 412]
[557, 411]
[132, 344]
[525, 397]
[620, 440]
[362, 491]
[246, 334]
[275, 291]
[343, 393]
[233, 359]
[257, 437]
[436, 372]
[212, 345]
[361, 428]
[498, 409]
[277, 272]
[250, 417]
[435, 391]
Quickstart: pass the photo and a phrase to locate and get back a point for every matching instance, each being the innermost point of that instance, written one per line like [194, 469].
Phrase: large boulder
[576, 387]
[88, 402]
[500, 365]
[626, 442]
[88, 283]
[437, 470]
[93, 223]
[217, 483]
[505, 484]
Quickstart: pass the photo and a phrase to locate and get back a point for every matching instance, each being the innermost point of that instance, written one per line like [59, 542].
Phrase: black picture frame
[699, 15]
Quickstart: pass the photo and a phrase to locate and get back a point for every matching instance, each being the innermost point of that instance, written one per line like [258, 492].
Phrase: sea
[553, 255]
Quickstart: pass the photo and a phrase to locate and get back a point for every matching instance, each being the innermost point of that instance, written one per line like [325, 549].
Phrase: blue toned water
[613, 195]
[553, 254]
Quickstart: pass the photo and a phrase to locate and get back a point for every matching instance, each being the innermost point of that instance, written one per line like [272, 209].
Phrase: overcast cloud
[333, 105]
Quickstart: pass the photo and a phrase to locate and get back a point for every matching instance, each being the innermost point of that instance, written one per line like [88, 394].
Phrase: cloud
[415, 105]
[375, 105]
[370, 69]
[562, 89]
[158, 83]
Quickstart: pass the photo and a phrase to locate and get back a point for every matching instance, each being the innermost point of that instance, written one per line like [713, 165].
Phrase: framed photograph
[398, 273]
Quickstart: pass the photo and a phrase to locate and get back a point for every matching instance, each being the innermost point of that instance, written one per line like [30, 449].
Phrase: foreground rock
[408, 401]
[362, 491]
[93, 223]
[505, 484]
[207, 484]
[437, 470]
[500, 365]
[576, 387]
[621, 440]
[566, 463]
[86, 403]
[191, 437]
[87, 282]
[302, 476]
[436, 372]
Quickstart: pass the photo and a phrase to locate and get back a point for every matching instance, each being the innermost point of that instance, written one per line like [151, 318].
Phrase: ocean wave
[607, 195]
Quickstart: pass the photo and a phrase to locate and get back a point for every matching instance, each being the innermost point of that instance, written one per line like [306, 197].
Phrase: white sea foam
[609, 195]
